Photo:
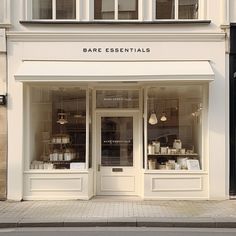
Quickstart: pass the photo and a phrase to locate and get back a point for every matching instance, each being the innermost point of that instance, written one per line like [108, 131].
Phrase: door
[118, 155]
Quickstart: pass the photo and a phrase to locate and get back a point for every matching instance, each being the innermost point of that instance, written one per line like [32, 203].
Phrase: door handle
[99, 167]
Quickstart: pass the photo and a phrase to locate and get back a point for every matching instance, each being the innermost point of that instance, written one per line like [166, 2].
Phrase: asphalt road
[117, 232]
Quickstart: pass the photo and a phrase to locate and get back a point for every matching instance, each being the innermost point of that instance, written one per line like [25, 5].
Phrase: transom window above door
[116, 9]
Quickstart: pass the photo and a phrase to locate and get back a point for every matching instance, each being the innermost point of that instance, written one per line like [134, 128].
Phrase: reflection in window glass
[174, 128]
[57, 127]
[117, 141]
[128, 9]
[42, 9]
[165, 9]
[104, 9]
[117, 99]
[188, 9]
[66, 9]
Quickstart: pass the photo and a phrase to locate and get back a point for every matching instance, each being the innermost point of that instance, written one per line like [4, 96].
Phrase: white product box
[77, 165]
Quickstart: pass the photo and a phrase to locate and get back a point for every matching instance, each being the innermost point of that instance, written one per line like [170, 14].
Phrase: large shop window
[177, 9]
[175, 127]
[58, 130]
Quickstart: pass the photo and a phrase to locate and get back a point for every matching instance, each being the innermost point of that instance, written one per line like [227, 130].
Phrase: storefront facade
[117, 109]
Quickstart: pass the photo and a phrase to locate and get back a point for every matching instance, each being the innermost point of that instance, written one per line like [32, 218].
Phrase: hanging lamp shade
[163, 117]
[153, 119]
[62, 118]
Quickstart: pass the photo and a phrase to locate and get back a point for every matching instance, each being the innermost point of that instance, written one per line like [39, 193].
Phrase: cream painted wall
[202, 42]
[3, 72]
[213, 9]
[232, 11]
[212, 51]
[15, 126]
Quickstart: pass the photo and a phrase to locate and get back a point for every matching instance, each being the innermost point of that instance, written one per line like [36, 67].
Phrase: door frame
[137, 151]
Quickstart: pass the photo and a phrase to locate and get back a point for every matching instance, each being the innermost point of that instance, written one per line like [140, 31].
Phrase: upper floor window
[177, 9]
[53, 9]
[115, 9]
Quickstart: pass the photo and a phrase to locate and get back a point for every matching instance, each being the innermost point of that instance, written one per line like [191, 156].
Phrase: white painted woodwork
[51, 185]
[127, 181]
[175, 185]
[192, 42]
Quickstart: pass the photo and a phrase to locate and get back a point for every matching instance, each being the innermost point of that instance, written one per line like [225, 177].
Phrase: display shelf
[193, 154]
[116, 144]
[158, 171]
[41, 103]
[62, 162]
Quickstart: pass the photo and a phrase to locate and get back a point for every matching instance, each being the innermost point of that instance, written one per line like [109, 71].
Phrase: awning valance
[108, 71]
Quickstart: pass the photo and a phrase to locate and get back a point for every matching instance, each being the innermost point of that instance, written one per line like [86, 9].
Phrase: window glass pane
[42, 9]
[165, 9]
[66, 9]
[117, 99]
[117, 141]
[174, 128]
[188, 9]
[104, 9]
[57, 128]
[128, 9]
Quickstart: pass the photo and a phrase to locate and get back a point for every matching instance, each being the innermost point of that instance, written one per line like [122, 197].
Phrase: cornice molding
[16, 36]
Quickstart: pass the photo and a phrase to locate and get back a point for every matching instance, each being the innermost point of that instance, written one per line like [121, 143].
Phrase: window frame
[29, 11]
[201, 12]
[116, 13]
[204, 157]
[85, 13]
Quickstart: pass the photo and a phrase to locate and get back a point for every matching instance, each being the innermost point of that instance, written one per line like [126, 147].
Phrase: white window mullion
[54, 9]
[176, 9]
[116, 9]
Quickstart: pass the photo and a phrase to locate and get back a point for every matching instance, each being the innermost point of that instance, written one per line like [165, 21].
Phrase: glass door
[118, 155]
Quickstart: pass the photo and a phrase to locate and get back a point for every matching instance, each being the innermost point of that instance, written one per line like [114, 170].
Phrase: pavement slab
[118, 212]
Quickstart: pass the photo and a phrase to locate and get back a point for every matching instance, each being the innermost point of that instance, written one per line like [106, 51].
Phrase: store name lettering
[116, 50]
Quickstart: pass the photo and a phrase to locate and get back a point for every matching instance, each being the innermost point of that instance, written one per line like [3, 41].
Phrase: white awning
[111, 71]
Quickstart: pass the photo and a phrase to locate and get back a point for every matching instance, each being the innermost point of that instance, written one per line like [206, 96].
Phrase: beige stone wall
[3, 129]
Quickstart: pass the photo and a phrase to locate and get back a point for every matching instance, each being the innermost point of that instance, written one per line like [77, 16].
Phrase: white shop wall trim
[87, 71]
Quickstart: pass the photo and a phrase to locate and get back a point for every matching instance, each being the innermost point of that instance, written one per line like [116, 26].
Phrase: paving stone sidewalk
[112, 211]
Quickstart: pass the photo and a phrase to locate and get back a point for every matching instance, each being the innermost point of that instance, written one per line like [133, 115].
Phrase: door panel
[117, 157]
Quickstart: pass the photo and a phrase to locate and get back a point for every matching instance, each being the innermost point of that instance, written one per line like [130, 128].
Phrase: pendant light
[163, 117]
[153, 119]
[62, 118]
[61, 115]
